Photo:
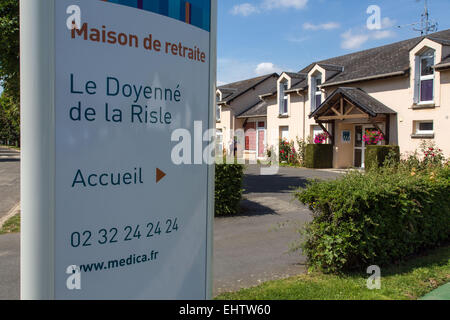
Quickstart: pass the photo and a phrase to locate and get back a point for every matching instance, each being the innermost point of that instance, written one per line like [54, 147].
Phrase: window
[424, 127]
[284, 133]
[425, 77]
[316, 130]
[217, 112]
[219, 142]
[217, 108]
[316, 93]
[283, 98]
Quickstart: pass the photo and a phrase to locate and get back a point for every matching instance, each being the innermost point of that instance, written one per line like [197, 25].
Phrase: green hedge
[228, 192]
[319, 156]
[375, 218]
[376, 155]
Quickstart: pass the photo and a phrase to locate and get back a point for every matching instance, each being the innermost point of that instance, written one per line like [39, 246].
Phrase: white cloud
[244, 9]
[387, 23]
[297, 4]
[353, 41]
[383, 34]
[266, 68]
[322, 26]
[231, 70]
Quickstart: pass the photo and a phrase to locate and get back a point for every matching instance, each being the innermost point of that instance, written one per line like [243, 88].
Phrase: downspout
[304, 113]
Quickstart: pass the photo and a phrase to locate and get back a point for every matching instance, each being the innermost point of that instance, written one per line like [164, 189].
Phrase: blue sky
[261, 36]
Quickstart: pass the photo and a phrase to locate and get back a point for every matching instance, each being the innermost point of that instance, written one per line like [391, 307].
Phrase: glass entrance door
[360, 144]
[358, 157]
[261, 148]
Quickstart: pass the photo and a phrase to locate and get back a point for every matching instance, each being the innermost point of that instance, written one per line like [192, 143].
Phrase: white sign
[129, 222]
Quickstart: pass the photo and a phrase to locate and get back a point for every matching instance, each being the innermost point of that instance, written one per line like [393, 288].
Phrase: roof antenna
[425, 25]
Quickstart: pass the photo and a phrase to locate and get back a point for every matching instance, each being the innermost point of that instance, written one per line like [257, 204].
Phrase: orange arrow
[159, 175]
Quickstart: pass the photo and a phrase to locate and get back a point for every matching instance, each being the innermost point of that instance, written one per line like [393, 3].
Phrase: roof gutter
[380, 76]
[248, 117]
[252, 87]
[262, 96]
[442, 66]
[296, 91]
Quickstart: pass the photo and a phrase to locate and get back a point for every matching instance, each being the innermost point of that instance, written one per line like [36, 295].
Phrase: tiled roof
[388, 59]
[295, 75]
[444, 64]
[233, 90]
[359, 98]
[258, 110]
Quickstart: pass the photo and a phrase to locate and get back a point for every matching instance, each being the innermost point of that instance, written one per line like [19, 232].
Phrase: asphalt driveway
[9, 180]
[253, 247]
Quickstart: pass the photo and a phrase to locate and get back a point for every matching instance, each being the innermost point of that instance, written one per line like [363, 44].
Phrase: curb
[15, 210]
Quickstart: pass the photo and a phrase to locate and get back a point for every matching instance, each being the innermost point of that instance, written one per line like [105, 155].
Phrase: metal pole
[37, 140]
[211, 169]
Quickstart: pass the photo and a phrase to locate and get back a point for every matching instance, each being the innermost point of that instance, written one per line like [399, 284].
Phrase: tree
[9, 120]
[9, 72]
[10, 48]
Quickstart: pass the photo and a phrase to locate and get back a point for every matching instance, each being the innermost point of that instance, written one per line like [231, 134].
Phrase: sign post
[107, 212]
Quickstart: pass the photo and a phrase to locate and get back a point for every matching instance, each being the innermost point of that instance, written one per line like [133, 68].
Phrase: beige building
[239, 108]
[401, 89]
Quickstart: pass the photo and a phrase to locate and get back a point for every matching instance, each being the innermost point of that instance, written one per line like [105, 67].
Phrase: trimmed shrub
[287, 152]
[319, 156]
[228, 193]
[375, 218]
[376, 155]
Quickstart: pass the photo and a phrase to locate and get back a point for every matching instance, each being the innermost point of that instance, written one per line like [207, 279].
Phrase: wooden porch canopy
[352, 105]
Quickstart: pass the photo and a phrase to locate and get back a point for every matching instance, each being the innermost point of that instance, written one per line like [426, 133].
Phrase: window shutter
[417, 80]
[312, 91]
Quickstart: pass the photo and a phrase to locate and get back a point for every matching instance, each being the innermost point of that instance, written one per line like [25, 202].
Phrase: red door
[261, 142]
[250, 136]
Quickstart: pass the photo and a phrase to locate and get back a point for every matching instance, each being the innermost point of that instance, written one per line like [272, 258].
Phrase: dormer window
[424, 92]
[316, 93]
[284, 98]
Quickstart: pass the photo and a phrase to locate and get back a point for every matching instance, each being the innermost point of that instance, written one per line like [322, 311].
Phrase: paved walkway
[9, 180]
[253, 247]
[441, 293]
[9, 266]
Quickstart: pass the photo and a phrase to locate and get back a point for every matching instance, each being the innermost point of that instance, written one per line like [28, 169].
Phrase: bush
[428, 156]
[9, 121]
[319, 156]
[287, 152]
[228, 192]
[375, 218]
[301, 154]
[375, 156]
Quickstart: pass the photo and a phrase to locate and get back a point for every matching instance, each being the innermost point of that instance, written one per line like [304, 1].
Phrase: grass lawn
[407, 281]
[12, 225]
